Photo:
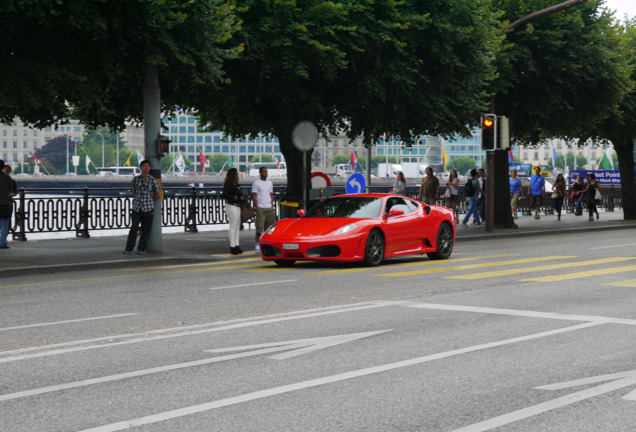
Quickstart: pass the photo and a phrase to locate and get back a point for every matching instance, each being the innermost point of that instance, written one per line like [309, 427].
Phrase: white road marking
[109, 341]
[194, 409]
[523, 313]
[613, 246]
[26, 326]
[618, 381]
[298, 347]
[253, 284]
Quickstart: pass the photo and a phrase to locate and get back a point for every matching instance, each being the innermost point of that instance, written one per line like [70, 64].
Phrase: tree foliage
[56, 154]
[85, 59]
[401, 68]
[462, 164]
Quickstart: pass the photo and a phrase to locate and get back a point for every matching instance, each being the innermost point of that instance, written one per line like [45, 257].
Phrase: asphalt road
[530, 334]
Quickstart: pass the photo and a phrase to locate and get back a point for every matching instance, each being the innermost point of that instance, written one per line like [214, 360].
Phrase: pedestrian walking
[429, 190]
[145, 191]
[537, 191]
[263, 196]
[233, 198]
[399, 185]
[472, 198]
[6, 205]
[558, 193]
[590, 190]
[452, 191]
[516, 190]
[576, 191]
[481, 202]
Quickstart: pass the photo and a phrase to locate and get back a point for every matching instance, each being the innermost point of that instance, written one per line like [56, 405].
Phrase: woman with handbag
[593, 191]
[558, 193]
[233, 199]
[452, 191]
[577, 195]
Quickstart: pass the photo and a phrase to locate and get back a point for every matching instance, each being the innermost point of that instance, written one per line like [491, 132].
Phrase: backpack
[469, 189]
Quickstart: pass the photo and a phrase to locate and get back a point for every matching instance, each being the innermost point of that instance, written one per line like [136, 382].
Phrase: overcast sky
[622, 7]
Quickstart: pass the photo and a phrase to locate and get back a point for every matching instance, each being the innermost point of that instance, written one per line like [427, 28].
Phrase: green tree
[56, 154]
[401, 68]
[557, 74]
[619, 127]
[44, 46]
[261, 158]
[340, 158]
[462, 164]
[217, 161]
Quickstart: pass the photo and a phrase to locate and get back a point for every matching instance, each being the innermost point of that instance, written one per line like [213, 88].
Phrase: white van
[272, 169]
[119, 171]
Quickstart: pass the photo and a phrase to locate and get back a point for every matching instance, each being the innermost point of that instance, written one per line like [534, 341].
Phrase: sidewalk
[50, 256]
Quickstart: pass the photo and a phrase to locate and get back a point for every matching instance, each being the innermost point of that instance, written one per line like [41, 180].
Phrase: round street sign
[320, 180]
[355, 184]
[305, 136]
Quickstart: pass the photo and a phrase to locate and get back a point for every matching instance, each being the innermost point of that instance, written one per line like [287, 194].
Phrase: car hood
[311, 226]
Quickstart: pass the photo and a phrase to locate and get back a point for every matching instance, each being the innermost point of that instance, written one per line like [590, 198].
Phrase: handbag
[447, 194]
[555, 194]
[247, 211]
[597, 195]
[572, 197]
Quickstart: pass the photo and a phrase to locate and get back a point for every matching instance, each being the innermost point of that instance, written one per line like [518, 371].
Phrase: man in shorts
[537, 191]
[263, 197]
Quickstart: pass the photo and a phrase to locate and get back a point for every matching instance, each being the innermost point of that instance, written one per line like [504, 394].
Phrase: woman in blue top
[515, 191]
[537, 190]
[399, 186]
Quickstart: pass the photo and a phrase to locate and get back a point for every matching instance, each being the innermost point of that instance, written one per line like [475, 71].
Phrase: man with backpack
[472, 191]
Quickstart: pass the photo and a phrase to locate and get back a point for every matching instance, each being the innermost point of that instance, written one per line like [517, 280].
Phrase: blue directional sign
[355, 184]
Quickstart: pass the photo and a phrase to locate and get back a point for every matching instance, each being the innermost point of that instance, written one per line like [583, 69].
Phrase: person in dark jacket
[233, 198]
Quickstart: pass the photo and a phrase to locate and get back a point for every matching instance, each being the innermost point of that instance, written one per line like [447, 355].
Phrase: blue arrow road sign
[355, 184]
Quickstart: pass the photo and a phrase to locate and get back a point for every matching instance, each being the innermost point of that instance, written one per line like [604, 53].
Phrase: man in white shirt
[263, 197]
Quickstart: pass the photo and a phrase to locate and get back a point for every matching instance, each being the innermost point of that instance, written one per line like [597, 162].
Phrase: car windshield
[347, 207]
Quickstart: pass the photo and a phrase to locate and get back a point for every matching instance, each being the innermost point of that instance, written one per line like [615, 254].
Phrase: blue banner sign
[609, 177]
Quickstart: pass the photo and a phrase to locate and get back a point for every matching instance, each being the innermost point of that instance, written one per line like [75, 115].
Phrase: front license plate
[290, 246]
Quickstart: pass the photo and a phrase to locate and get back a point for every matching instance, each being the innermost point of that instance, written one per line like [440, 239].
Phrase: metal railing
[89, 209]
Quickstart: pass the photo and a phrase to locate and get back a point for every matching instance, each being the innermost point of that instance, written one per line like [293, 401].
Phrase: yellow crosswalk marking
[513, 271]
[409, 264]
[207, 263]
[629, 283]
[476, 266]
[583, 274]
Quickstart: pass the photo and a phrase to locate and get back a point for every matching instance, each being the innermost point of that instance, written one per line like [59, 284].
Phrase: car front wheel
[444, 242]
[374, 249]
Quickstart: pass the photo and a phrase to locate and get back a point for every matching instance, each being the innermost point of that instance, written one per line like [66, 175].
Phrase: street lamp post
[67, 155]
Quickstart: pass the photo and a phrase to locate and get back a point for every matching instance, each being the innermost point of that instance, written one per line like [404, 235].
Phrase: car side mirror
[300, 212]
[393, 213]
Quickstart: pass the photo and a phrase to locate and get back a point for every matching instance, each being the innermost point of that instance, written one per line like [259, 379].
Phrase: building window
[15, 133]
[191, 129]
[35, 132]
[24, 144]
[4, 144]
[4, 132]
[536, 155]
[15, 144]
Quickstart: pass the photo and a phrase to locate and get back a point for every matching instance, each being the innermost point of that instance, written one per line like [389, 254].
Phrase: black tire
[444, 243]
[285, 263]
[374, 249]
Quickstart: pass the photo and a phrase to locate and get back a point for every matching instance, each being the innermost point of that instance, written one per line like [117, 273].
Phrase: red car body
[361, 227]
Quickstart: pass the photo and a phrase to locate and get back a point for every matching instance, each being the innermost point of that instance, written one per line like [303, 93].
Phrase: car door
[401, 231]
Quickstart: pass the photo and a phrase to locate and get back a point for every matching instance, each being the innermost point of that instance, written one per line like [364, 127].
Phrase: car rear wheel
[444, 243]
[285, 263]
[374, 249]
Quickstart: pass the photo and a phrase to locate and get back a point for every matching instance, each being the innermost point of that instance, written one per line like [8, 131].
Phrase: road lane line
[207, 263]
[514, 271]
[629, 283]
[127, 339]
[474, 266]
[613, 246]
[274, 391]
[253, 284]
[26, 326]
[410, 264]
[582, 274]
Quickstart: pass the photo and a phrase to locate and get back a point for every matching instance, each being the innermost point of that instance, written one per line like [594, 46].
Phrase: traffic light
[163, 146]
[488, 131]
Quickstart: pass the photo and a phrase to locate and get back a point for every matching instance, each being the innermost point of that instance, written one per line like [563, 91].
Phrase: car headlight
[271, 229]
[346, 229]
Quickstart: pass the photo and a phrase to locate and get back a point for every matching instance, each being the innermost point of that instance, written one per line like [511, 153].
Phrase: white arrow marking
[302, 346]
[357, 184]
[617, 382]
[299, 347]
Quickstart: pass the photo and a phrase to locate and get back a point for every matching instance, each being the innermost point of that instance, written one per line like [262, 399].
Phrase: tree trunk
[625, 152]
[502, 211]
